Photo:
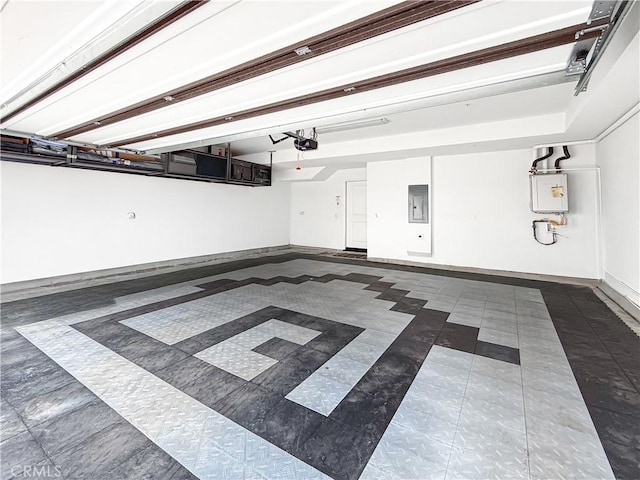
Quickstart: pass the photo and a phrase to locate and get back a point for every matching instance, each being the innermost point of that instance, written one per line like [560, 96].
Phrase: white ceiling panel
[36, 38]
[525, 65]
[37, 35]
[211, 39]
[365, 60]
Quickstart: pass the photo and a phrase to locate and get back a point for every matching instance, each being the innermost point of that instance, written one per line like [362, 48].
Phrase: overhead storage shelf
[183, 164]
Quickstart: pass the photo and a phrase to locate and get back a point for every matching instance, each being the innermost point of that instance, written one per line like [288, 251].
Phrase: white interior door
[356, 215]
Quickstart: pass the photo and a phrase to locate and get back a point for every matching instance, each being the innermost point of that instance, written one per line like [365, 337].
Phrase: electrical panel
[418, 203]
[549, 193]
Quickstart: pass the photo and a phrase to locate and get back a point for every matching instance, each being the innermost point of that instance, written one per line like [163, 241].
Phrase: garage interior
[320, 239]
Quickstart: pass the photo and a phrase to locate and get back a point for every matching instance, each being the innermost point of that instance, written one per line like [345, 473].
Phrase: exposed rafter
[523, 46]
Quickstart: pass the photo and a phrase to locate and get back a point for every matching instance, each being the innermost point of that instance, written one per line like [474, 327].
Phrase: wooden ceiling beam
[384, 21]
[523, 46]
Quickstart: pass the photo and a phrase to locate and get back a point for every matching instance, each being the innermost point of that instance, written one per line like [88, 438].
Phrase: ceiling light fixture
[302, 51]
[340, 127]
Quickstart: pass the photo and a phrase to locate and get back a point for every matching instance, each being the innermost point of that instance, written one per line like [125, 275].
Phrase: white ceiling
[223, 34]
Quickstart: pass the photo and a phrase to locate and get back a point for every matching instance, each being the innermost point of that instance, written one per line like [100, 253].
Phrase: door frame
[346, 216]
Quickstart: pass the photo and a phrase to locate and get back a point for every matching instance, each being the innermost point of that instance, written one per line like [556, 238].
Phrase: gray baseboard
[96, 277]
[620, 300]
[591, 282]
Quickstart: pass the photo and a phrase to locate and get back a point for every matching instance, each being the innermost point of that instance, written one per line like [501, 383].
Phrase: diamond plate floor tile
[398, 463]
[488, 367]
[488, 452]
[236, 359]
[343, 370]
[319, 393]
[557, 451]
[499, 338]
[287, 331]
[450, 357]
[432, 401]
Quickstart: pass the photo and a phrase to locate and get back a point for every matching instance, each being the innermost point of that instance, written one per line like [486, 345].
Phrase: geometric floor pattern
[300, 366]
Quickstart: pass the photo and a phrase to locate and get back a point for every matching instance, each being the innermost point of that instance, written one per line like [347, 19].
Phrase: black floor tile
[409, 305]
[603, 372]
[603, 396]
[247, 402]
[432, 319]
[160, 359]
[149, 464]
[304, 320]
[21, 352]
[57, 403]
[498, 352]
[631, 368]
[334, 339]
[390, 376]
[616, 427]
[379, 286]
[282, 377]
[392, 294]
[287, 425]
[338, 450]
[11, 424]
[200, 380]
[98, 454]
[458, 337]
[276, 348]
[361, 278]
[370, 414]
[307, 358]
[73, 429]
[219, 284]
[25, 381]
[625, 461]
[19, 452]
[629, 346]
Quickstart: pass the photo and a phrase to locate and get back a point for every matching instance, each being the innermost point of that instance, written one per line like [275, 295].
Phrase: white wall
[316, 220]
[619, 159]
[481, 215]
[58, 221]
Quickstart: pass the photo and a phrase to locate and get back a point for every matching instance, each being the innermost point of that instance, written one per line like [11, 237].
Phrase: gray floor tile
[396, 463]
[557, 451]
[462, 412]
[319, 393]
[343, 370]
[443, 376]
[150, 463]
[434, 427]
[434, 401]
[488, 452]
[416, 442]
[58, 402]
[477, 413]
[19, 452]
[504, 371]
[67, 431]
[492, 389]
[545, 407]
[450, 357]
[10, 422]
[471, 320]
[497, 337]
[99, 453]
